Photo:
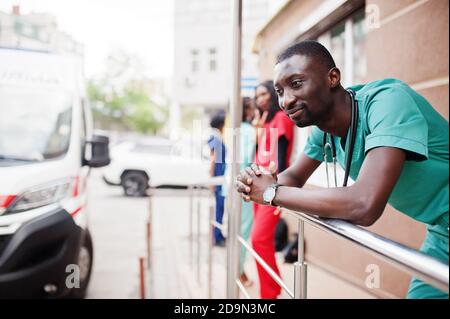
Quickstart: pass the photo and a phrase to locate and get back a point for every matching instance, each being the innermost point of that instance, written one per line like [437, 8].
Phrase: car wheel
[135, 184]
[85, 262]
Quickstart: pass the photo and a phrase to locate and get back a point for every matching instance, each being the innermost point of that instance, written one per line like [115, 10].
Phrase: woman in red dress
[275, 143]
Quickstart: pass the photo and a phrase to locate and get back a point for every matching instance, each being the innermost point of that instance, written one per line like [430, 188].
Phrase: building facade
[372, 39]
[203, 53]
[36, 31]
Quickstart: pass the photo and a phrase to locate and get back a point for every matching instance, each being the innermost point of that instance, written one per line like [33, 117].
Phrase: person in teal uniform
[247, 144]
[388, 137]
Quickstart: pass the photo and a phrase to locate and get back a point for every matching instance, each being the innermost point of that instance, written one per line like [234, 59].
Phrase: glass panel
[337, 46]
[359, 48]
[212, 59]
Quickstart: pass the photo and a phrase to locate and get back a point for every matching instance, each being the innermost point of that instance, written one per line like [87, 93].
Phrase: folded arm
[361, 203]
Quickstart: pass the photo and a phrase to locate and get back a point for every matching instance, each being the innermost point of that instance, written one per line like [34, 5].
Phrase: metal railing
[402, 257]
[405, 258]
[194, 189]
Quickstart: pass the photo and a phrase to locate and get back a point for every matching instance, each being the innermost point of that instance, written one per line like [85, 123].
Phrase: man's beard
[305, 121]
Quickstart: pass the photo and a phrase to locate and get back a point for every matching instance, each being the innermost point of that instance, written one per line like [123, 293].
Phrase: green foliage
[144, 112]
[126, 106]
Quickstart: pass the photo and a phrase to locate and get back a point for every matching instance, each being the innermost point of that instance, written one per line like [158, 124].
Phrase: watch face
[269, 194]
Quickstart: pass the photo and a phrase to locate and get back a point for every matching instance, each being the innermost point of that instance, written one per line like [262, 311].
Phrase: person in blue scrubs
[217, 148]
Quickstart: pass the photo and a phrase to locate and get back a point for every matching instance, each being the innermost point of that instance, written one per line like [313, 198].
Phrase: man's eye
[279, 91]
[296, 83]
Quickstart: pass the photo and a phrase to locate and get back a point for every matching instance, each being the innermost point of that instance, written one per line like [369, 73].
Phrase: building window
[359, 48]
[346, 42]
[212, 59]
[337, 45]
[194, 60]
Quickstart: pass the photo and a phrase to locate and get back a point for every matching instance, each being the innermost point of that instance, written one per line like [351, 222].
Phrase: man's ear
[334, 77]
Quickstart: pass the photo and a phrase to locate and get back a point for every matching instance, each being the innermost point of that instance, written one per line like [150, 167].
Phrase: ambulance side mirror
[96, 152]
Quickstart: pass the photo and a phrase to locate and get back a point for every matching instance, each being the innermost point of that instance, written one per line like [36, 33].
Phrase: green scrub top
[248, 143]
[394, 115]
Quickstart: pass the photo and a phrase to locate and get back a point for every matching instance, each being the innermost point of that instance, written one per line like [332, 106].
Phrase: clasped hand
[253, 181]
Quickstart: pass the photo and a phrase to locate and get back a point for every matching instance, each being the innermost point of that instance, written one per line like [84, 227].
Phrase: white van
[46, 150]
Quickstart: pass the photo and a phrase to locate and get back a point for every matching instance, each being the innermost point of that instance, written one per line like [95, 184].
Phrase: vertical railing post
[191, 214]
[149, 232]
[199, 191]
[234, 203]
[149, 242]
[300, 267]
[142, 278]
[210, 249]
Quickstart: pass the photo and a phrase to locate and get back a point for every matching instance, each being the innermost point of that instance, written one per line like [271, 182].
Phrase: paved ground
[118, 226]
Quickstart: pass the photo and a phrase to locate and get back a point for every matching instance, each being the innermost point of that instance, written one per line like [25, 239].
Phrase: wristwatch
[269, 194]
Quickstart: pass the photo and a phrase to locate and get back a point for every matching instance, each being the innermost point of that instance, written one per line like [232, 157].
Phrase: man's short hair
[218, 120]
[311, 49]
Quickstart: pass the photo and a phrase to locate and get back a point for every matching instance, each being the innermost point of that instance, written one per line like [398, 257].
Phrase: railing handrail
[211, 181]
[414, 262]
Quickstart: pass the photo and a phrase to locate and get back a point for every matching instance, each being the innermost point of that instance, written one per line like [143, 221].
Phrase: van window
[35, 124]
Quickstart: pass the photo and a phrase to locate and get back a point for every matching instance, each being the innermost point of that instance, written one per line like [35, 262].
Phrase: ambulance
[47, 148]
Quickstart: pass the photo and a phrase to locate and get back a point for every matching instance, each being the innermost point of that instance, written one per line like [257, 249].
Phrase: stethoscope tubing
[351, 143]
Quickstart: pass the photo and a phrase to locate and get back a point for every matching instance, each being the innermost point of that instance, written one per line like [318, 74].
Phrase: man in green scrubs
[400, 154]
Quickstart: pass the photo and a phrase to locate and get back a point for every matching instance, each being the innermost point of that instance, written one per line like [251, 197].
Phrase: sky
[140, 27]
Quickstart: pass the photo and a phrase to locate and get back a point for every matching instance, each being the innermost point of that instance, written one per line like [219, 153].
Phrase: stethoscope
[351, 145]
